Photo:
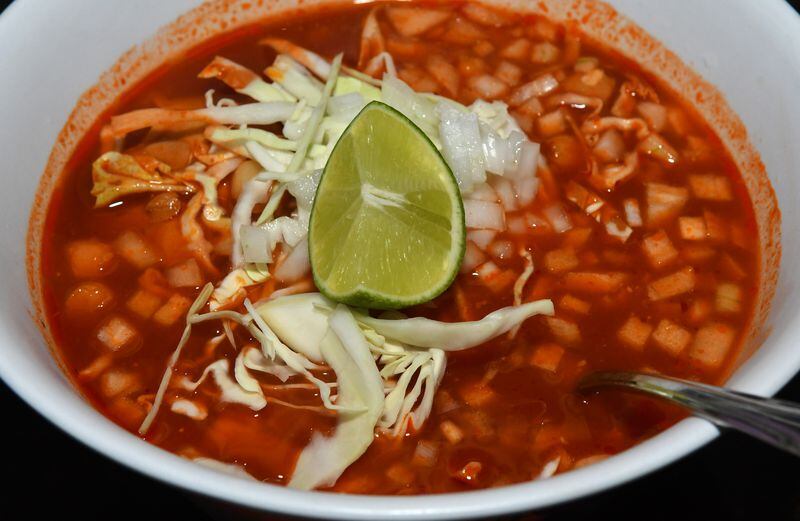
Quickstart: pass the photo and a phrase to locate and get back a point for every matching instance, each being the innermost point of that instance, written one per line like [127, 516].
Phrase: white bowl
[50, 54]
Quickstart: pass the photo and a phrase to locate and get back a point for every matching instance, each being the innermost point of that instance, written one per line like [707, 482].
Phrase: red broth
[676, 298]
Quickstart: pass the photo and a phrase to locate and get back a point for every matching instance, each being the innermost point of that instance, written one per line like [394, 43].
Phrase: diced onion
[473, 257]
[484, 215]
[481, 238]
[558, 218]
[501, 249]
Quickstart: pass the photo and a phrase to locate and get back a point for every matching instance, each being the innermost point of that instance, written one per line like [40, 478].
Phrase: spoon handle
[775, 422]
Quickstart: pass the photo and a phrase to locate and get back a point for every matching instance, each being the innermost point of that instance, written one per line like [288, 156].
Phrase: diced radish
[476, 394]
[610, 148]
[632, 212]
[544, 52]
[698, 254]
[444, 73]
[532, 108]
[594, 283]
[671, 337]
[143, 303]
[413, 21]
[731, 269]
[518, 225]
[552, 123]
[678, 283]
[699, 311]
[90, 258]
[483, 48]
[664, 202]
[484, 215]
[716, 227]
[654, 114]
[565, 331]
[505, 192]
[518, 49]
[659, 250]
[185, 275]
[501, 249]
[508, 73]
[497, 280]
[425, 454]
[463, 32]
[575, 305]
[117, 334]
[486, 16]
[172, 310]
[634, 333]
[576, 238]
[692, 228]
[547, 357]
[134, 249]
[473, 257]
[115, 383]
[560, 261]
[451, 432]
[488, 87]
[488, 270]
[558, 218]
[729, 298]
[401, 474]
[481, 238]
[711, 345]
[295, 265]
[710, 187]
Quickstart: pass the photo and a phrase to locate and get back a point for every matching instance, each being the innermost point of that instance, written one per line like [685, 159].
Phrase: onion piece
[558, 218]
[473, 257]
[484, 215]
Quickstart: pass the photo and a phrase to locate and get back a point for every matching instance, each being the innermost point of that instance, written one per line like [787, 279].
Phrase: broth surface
[683, 281]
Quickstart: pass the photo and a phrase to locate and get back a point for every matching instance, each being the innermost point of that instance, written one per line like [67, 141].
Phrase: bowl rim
[89, 427]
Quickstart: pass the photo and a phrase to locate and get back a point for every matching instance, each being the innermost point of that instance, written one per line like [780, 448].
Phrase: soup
[606, 228]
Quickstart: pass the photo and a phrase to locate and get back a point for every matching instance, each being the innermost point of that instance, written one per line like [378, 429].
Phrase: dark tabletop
[733, 478]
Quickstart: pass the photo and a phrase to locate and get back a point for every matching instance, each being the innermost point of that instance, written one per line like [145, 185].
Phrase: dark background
[733, 478]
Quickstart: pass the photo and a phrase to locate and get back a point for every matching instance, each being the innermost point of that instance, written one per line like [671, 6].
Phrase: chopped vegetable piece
[729, 298]
[659, 250]
[143, 303]
[575, 305]
[414, 21]
[117, 334]
[594, 283]
[678, 283]
[711, 345]
[185, 275]
[565, 331]
[173, 310]
[692, 228]
[664, 203]
[671, 337]
[561, 261]
[547, 357]
[451, 432]
[710, 187]
[634, 333]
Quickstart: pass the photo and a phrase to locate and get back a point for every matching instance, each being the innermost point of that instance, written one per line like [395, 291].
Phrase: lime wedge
[387, 227]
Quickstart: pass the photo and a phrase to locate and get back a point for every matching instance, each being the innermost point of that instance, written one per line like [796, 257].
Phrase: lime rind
[380, 204]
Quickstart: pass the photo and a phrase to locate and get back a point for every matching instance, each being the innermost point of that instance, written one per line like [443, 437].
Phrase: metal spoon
[773, 421]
